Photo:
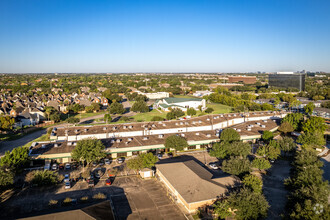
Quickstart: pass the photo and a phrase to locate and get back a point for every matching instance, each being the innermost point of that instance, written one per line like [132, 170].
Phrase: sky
[164, 36]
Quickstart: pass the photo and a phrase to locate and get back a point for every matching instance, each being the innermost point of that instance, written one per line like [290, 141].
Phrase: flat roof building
[287, 81]
[243, 79]
[192, 185]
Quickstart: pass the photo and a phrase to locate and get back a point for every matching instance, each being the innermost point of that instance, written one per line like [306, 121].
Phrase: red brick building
[244, 79]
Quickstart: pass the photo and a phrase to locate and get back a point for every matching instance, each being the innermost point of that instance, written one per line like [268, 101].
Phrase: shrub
[157, 118]
[42, 177]
[67, 200]
[209, 110]
[52, 202]
[84, 199]
[99, 196]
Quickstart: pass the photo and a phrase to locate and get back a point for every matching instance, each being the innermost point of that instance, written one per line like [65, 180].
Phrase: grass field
[44, 137]
[148, 115]
[219, 108]
[86, 115]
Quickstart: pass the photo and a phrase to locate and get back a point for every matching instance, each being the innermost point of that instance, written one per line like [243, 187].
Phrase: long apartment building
[134, 138]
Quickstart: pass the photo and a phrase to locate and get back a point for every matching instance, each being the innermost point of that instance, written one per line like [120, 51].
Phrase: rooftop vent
[153, 125]
[207, 119]
[176, 123]
[114, 128]
[248, 129]
[234, 114]
[55, 145]
[124, 126]
[182, 135]
[112, 141]
[239, 130]
[74, 143]
[85, 129]
[208, 135]
[264, 120]
[164, 125]
[118, 140]
[181, 123]
[130, 126]
[161, 136]
[197, 133]
[69, 143]
[145, 138]
[76, 130]
[263, 126]
[258, 123]
[104, 128]
[200, 122]
[130, 139]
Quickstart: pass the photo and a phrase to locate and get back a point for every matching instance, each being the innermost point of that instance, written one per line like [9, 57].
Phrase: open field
[219, 108]
[149, 115]
[86, 115]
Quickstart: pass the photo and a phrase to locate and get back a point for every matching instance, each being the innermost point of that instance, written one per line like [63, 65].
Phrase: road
[10, 145]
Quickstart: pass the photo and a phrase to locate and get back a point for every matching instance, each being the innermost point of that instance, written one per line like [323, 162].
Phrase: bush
[42, 177]
[84, 199]
[67, 201]
[99, 196]
[52, 202]
[157, 118]
[209, 110]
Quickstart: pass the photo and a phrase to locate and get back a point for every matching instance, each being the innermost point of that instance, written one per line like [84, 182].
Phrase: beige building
[192, 185]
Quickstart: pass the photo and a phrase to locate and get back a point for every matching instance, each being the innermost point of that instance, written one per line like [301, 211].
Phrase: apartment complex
[243, 79]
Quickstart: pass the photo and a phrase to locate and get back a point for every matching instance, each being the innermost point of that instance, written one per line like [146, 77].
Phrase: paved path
[274, 189]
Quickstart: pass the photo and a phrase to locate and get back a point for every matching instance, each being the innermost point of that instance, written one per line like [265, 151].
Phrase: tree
[253, 182]
[191, 111]
[6, 122]
[219, 150]
[287, 144]
[269, 151]
[44, 177]
[295, 119]
[117, 108]
[55, 117]
[88, 150]
[148, 160]
[73, 120]
[229, 135]
[176, 142]
[309, 108]
[313, 140]
[222, 209]
[238, 148]
[267, 136]
[135, 163]
[107, 118]
[49, 110]
[236, 166]
[157, 118]
[174, 113]
[140, 106]
[6, 177]
[314, 124]
[261, 164]
[286, 127]
[96, 106]
[209, 110]
[17, 159]
[248, 204]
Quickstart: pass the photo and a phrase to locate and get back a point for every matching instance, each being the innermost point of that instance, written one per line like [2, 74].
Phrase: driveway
[274, 189]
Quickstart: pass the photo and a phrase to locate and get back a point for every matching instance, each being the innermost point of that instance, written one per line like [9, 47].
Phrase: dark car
[61, 166]
[90, 182]
[121, 159]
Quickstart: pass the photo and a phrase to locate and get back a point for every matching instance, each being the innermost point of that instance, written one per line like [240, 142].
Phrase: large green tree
[140, 106]
[176, 142]
[88, 150]
[148, 160]
[6, 177]
[229, 135]
[311, 140]
[269, 151]
[253, 182]
[191, 111]
[286, 127]
[295, 119]
[107, 118]
[116, 108]
[314, 124]
[261, 164]
[236, 166]
[248, 204]
[17, 159]
[309, 108]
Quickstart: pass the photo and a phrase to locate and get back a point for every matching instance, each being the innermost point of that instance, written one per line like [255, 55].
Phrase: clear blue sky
[164, 36]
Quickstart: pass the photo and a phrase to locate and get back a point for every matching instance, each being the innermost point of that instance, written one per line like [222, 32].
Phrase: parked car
[67, 185]
[170, 155]
[67, 166]
[108, 182]
[67, 178]
[90, 182]
[47, 167]
[160, 156]
[54, 166]
[61, 166]
[121, 159]
[213, 166]
[107, 161]
[101, 163]
[94, 164]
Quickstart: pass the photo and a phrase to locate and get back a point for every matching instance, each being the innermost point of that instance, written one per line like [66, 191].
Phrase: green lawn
[219, 108]
[86, 115]
[148, 115]
[44, 137]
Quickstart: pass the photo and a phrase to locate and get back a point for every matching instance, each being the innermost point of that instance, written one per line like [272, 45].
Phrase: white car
[107, 161]
[47, 167]
[213, 166]
[67, 166]
[66, 178]
[67, 185]
[54, 166]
